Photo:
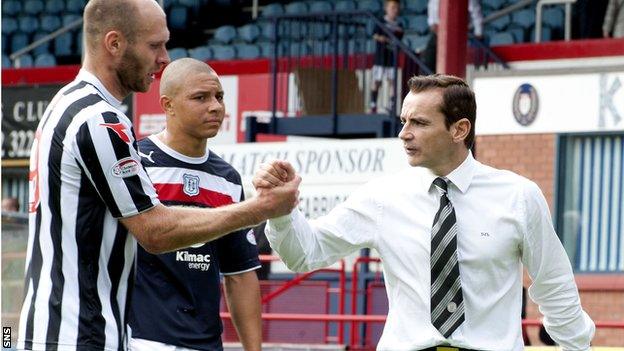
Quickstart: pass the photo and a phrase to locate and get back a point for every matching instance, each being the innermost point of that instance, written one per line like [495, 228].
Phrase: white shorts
[382, 72]
[148, 345]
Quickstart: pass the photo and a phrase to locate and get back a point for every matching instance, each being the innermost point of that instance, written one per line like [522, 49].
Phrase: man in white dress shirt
[483, 224]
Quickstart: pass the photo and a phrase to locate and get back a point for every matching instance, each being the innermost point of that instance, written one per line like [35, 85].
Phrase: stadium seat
[45, 60]
[33, 7]
[178, 16]
[247, 51]
[55, 7]
[28, 24]
[524, 18]
[266, 48]
[6, 62]
[518, 34]
[500, 24]
[63, 44]
[320, 6]
[70, 18]
[79, 43]
[4, 43]
[202, 53]
[546, 34]
[23, 61]
[320, 30]
[19, 40]
[493, 4]
[417, 42]
[11, 7]
[9, 25]
[267, 30]
[249, 32]
[373, 6]
[272, 10]
[75, 6]
[43, 48]
[225, 34]
[296, 8]
[223, 52]
[503, 38]
[416, 6]
[553, 17]
[177, 53]
[418, 24]
[345, 5]
[50, 23]
[299, 49]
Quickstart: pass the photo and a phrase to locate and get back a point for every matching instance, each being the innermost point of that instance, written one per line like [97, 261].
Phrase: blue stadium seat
[178, 16]
[34, 7]
[297, 8]
[24, 61]
[493, 4]
[19, 40]
[320, 30]
[249, 32]
[518, 34]
[63, 44]
[75, 6]
[267, 29]
[553, 17]
[503, 38]
[266, 48]
[45, 60]
[373, 6]
[43, 48]
[70, 18]
[9, 25]
[177, 53]
[321, 6]
[416, 42]
[50, 23]
[416, 6]
[4, 43]
[546, 34]
[500, 24]
[225, 34]
[418, 24]
[247, 51]
[55, 7]
[11, 7]
[299, 49]
[272, 10]
[28, 24]
[524, 18]
[295, 29]
[6, 62]
[79, 43]
[223, 52]
[202, 53]
[345, 5]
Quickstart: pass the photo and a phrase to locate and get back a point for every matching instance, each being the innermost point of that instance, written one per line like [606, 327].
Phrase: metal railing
[568, 17]
[15, 57]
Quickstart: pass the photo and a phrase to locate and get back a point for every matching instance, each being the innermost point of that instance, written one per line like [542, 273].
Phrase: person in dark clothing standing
[383, 66]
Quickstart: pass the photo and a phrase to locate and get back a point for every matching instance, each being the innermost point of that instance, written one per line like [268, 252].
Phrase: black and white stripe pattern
[80, 258]
[447, 303]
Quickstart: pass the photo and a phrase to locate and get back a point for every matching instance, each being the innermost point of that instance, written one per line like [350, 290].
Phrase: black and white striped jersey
[85, 174]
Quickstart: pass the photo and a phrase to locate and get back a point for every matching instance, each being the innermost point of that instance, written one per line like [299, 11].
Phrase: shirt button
[451, 307]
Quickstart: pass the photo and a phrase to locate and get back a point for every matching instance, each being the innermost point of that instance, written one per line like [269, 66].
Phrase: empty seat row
[37, 7]
[26, 61]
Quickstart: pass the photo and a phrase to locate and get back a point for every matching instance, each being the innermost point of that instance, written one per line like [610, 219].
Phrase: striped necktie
[447, 302]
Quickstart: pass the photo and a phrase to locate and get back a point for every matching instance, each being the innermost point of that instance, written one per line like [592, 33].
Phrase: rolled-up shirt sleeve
[553, 287]
[307, 245]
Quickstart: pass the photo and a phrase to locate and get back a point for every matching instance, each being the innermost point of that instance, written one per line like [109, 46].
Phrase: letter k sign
[607, 95]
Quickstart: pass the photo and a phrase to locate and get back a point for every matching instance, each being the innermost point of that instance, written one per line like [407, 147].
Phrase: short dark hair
[102, 16]
[458, 100]
[397, 1]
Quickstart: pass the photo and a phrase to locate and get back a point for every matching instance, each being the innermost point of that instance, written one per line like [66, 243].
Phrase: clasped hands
[277, 186]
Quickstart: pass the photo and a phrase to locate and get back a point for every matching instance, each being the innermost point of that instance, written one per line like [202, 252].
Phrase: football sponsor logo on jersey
[126, 167]
[191, 184]
[195, 261]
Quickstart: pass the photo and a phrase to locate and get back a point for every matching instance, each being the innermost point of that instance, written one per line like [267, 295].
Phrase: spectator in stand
[10, 204]
[429, 55]
[613, 26]
[383, 67]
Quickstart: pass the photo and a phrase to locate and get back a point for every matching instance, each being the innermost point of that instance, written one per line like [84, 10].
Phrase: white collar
[95, 81]
[171, 152]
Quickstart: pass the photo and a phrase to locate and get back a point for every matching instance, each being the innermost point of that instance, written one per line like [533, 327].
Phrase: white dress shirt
[503, 222]
[474, 8]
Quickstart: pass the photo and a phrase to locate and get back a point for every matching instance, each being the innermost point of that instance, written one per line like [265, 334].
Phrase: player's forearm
[171, 228]
[243, 297]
